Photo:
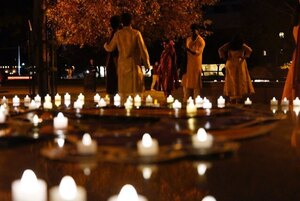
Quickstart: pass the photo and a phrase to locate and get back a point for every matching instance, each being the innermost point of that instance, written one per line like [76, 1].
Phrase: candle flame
[147, 140]
[201, 168]
[86, 139]
[67, 188]
[128, 192]
[201, 135]
[35, 119]
[28, 178]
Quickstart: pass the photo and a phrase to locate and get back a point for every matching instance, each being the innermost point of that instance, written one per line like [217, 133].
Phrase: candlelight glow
[86, 139]
[35, 120]
[67, 188]
[201, 169]
[147, 140]
[128, 192]
[209, 198]
[201, 135]
[28, 179]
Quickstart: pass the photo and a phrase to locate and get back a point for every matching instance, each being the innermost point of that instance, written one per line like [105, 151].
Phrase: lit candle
[16, 101]
[29, 188]
[87, 145]
[137, 101]
[35, 120]
[102, 103]
[81, 97]
[4, 100]
[67, 99]
[285, 102]
[128, 193]
[128, 104]
[147, 146]
[57, 100]
[38, 101]
[117, 100]
[190, 100]
[47, 105]
[60, 122]
[27, 100]
[199, 102]
[202, 139]
[248, 101]
[32, 105]
[207, 104]
[149, 100]
[170, 99]
[97, 98]
[2, 115]
[78, 104]
[209, 198]
[107, 99]
[191, 108]
[176, 104]
[67, 191]
[221, 101]
[47, 98]
[273, 101]
[296, 102]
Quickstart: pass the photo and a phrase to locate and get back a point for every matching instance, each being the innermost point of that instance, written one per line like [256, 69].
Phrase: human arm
[247, 51]
[143, 51]
[112, 45]
[223, 51]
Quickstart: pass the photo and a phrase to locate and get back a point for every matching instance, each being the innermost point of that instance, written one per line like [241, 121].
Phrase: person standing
[291, 88]
[237, 79]
[191, 80]
[132, 53]
[168, 68]
[112, 59]
[155, 85]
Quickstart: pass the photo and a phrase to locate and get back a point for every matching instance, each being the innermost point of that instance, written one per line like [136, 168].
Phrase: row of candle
[30, 188]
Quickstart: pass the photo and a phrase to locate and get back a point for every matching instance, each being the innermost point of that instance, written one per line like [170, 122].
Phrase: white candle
[87, 145]
[149, 100]
[2, 115]
[176, 104]
[117, 100]
[78, 104]
[202, 139]
[29, 188]
[81, 97]
[16, 101]
[137, 101]
[47, 98]
[285, 102]
[209, 198]
[60, 122]
[32, 105]
[102, 103]
[128, 104]
[191, 108]
[147, 146]
[27, 100]
[274, 101]
[170, 99]
[57, 100]
[128, 193]
[199, 102]
[35, 120]
[37, 98]
[47, 105]
[67, 191]
[67, 99]
[221, 101]
[248, 101]
[296, 102]
[207, 104]
[97, 98]
[190, 100]
[4, 100]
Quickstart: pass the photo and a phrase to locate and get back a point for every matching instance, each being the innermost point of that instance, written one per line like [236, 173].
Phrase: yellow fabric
[288, 90]
[132, 54]
[192, 78]
[237, 79]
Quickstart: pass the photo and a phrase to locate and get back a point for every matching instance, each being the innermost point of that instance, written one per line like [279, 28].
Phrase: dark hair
[236, 43]
[194, 26]
[115, 22]
[126, 19]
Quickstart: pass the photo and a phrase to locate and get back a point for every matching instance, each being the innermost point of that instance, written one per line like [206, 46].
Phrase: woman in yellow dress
[237, 79]
[292, 84]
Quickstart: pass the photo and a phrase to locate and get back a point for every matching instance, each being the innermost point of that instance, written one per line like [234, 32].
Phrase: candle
[87, 145]
[107, 99]
[221, 101]
[209, 198]
[16, 101]
[274, 108]
[60, 122]
[2, 115]
[190, 100]
[48, 98]
[191, 107]
[207, 104]
[37, 98]
[202, 139]
[296, 102]
[248, 101]
[81, 97]
[32, 105]
[29, 188]
[170, 99]
[274, 101]
[57, 100]
[199, 102]
[117, 100]
[137, 101]
[97, 98]
[67, 99]
[128, 193]
[67, 191]
[128, 104]
[147, 146]
[285, 102]
[176, 104]
[47, 105]
[102, 102]
[27, 100]
[78, 104]
[4, 100]
[149, 100]
[35, 120]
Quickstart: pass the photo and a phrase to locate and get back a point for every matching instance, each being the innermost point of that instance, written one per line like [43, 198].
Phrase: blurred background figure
[237, 79]
[155, 85]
